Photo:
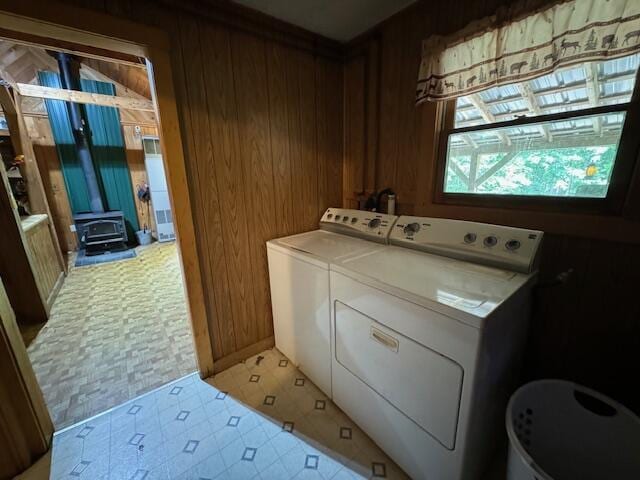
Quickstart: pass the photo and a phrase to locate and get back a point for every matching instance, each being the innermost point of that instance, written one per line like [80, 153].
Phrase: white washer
[426, 347]
[299, 279]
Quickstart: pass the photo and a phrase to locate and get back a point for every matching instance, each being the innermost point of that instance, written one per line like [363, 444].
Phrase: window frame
[621, 176]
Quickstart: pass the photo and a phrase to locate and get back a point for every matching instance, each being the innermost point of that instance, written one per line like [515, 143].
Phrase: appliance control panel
[495, 245]
[359, 223]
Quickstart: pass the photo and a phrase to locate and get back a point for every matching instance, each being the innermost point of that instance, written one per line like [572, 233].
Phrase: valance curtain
[564, 34]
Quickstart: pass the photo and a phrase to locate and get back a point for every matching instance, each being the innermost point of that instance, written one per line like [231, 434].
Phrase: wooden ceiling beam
[486, 114]
[39, 59]
[93, 74]
[4, 75]
[532, 102]
[45, 59]
[593, 93]
[541, 144]
[13, 55]
[467, 138]
[130, 116]
[127, 103]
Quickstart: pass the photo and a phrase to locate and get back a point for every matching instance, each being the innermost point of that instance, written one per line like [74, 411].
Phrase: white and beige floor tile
[262, 419]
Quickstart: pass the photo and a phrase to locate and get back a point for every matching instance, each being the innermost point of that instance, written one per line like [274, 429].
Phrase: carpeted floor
[116, 330]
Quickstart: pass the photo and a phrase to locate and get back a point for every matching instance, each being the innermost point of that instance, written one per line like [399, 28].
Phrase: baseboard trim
[236, 357]
[56, 290]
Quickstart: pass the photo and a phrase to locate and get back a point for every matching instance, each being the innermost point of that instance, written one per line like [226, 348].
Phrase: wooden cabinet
[44, 261]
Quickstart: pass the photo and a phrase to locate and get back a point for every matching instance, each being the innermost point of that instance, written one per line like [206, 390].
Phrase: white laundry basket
[559, 430]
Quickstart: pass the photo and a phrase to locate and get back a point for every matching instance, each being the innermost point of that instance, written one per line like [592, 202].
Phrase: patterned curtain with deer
[558, 36]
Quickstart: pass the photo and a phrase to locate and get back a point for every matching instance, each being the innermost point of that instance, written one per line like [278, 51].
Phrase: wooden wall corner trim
[372, 112]
[56, 289]
[162, 90]
[26, 429]
[40, 470]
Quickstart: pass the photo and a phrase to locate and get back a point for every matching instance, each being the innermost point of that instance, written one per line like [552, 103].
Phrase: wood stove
[101, 232]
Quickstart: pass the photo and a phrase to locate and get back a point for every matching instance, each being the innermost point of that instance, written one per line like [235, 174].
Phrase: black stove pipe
[70, 79]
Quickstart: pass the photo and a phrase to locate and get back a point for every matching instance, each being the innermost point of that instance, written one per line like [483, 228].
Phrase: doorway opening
[117, 322]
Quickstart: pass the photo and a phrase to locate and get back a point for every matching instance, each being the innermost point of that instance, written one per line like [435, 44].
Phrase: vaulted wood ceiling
[21, 63]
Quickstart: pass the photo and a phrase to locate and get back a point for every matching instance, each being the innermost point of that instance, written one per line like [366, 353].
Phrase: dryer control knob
[513, 244]
[374, 223]
[490, 241]
[345, 219]
[337, 218]
[411, 228]
[354, 220]
[470, 237]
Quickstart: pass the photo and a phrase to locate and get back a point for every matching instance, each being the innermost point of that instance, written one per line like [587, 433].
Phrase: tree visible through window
[557, 135]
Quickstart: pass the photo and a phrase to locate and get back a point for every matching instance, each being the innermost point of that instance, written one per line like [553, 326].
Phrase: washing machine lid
[325, 246]
[444, 284]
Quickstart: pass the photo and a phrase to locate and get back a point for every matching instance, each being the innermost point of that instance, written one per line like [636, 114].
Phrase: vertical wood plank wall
[587, 330]
[263, 128]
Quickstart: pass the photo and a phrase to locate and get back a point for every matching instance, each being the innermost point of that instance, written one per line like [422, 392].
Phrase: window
[560, 135]
[151, 145]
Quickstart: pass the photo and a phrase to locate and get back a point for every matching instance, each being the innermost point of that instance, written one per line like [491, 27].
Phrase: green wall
[107, 149]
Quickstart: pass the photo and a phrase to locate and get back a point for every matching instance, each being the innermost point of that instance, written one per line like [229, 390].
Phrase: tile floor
[258, 420]
[116, 330]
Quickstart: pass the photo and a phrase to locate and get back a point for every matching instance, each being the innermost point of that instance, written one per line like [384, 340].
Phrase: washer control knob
[490, 241]
[411, 228]
[512, 244]
[337, 218]
[345, 219]
[374, 223]
[470, 238]
[354, 220]
[329, 215]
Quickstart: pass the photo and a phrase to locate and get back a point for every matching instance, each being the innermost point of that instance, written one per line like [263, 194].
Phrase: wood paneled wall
[263, 126]
[586, 329]
[138, 171]
[52, 179]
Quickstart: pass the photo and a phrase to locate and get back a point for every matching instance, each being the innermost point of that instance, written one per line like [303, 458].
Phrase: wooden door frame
[26, 425]
[91, 33]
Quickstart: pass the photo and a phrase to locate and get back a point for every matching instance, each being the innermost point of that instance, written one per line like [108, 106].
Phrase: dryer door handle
[386, 340]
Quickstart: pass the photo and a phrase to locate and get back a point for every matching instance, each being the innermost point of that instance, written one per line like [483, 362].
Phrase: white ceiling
[340, 20]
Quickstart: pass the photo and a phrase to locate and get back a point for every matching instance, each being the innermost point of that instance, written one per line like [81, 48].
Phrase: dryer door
[422, 384]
